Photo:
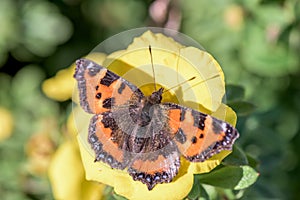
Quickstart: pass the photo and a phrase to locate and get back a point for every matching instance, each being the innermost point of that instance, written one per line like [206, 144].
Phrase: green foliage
[22, 95]
[230, 177]
[234, 93]
[31, 28]
[198, 191]
[234, 96]
[236, 158]
[235, 173]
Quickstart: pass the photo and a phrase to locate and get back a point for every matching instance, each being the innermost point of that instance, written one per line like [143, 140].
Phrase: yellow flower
[60, 87]
[6, 121]
[66, 172]
[67, 175]
[204, 93]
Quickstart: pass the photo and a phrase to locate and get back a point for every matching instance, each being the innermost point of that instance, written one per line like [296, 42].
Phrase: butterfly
[141, 134]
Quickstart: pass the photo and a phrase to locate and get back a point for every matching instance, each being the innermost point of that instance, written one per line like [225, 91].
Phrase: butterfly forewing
[101, 89]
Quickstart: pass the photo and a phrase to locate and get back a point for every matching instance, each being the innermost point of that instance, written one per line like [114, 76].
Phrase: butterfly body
[140, 133]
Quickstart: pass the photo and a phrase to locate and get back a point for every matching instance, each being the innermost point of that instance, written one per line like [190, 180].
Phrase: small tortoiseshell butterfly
[140, 133]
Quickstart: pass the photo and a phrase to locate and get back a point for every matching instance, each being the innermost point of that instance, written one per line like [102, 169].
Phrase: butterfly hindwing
[101, 89]
[155, 167]
[107, 141]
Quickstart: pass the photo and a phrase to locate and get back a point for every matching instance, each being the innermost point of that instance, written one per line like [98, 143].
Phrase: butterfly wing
[101, 89]
[107, 141]
[199, 136]
[157, 161]
[110, 98]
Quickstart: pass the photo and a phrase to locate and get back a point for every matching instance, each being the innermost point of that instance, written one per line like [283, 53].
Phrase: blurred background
[257, 43]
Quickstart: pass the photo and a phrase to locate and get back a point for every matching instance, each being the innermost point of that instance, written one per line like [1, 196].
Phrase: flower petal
[225, 113]
[208, 165]
[156, 40]
[210, 89]
[66, 175]
[71, 125]
[60, 87]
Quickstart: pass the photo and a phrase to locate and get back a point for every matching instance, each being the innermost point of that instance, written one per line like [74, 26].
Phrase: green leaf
[195, 191]
[234, 93]
[249, 177]
[237, 157]
[203, 193]
[252, 162]
[242, 108]
[230, 177]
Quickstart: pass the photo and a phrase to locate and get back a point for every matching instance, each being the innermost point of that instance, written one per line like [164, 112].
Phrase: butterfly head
[156, 97]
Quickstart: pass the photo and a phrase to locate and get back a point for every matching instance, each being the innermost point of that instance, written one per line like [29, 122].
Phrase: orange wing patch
[95, 92]
[174, 122]
[201, 139]
[199, 136]
[100, 89]
[106, 142]
[156, 167]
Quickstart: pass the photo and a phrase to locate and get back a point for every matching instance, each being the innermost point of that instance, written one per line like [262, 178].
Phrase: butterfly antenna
[153, 72]
[215, 76]
[180, 84]
[190, 79]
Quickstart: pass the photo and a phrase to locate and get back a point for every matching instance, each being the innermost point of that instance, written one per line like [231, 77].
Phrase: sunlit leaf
[231, 177]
